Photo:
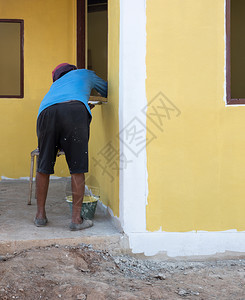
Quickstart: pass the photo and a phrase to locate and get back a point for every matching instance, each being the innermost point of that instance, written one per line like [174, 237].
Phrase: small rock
[182, 292]
[160, 276]
[57, 246]
[81, 297]
[84, 270]
[195, 293]
[185, 273]
[21, 290]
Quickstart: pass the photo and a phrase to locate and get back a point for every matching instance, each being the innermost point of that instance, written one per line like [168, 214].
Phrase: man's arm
[100, 85]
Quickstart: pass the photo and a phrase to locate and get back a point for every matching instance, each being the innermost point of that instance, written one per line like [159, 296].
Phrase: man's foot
[40, 222]
[85, 224]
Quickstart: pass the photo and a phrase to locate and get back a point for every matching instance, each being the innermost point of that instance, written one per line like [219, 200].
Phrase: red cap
[60, 65]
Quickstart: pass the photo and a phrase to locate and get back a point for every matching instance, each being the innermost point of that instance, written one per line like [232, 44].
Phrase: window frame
[229, 99]
[81, 43]
[21, 95]
[81, 34]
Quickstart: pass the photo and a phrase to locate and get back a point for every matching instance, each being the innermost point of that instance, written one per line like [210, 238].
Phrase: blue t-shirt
[74, 85]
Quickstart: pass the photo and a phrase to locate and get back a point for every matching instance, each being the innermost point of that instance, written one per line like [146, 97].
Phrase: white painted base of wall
[181, 244]
[175, 244]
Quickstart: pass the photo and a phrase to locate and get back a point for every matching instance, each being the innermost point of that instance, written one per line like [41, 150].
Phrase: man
[63, 123]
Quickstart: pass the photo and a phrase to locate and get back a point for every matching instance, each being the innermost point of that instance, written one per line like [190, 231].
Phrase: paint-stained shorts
[64, 126]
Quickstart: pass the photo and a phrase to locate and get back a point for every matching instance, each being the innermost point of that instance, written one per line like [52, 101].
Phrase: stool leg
[31, 180]
[36, 176]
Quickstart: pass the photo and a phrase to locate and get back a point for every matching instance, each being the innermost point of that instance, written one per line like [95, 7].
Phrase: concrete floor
[17, 230]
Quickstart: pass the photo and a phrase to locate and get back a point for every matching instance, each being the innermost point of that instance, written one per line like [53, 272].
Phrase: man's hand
[91, 105]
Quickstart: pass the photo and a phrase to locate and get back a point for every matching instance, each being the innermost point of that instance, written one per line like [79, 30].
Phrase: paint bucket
[89, 204]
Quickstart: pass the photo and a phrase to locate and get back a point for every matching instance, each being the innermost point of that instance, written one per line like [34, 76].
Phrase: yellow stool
[35, 153]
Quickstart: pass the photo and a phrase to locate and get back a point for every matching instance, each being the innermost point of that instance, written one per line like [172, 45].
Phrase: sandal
[85, 224]
[40, 222]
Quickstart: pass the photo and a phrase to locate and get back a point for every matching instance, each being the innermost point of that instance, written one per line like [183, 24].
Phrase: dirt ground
[64, 272]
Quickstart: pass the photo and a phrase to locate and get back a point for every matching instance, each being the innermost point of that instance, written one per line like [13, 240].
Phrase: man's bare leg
[42, 191]
[77, 186]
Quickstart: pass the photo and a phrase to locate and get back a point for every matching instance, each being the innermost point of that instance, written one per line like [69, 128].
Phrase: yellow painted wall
[49, 39]
[196, 167]
[104, 144]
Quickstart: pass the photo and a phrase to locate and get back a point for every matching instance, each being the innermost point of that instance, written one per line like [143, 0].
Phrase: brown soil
[63, 272]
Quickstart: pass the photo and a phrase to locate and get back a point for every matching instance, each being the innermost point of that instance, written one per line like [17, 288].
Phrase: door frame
[81, 34]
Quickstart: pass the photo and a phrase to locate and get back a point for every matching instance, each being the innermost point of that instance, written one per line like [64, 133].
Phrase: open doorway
[92, 36]
[97, 37]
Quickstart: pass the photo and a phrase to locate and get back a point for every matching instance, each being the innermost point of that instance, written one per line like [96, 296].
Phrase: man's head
[61, 70]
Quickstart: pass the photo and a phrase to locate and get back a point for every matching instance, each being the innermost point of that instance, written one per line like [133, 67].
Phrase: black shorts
[64, 126]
